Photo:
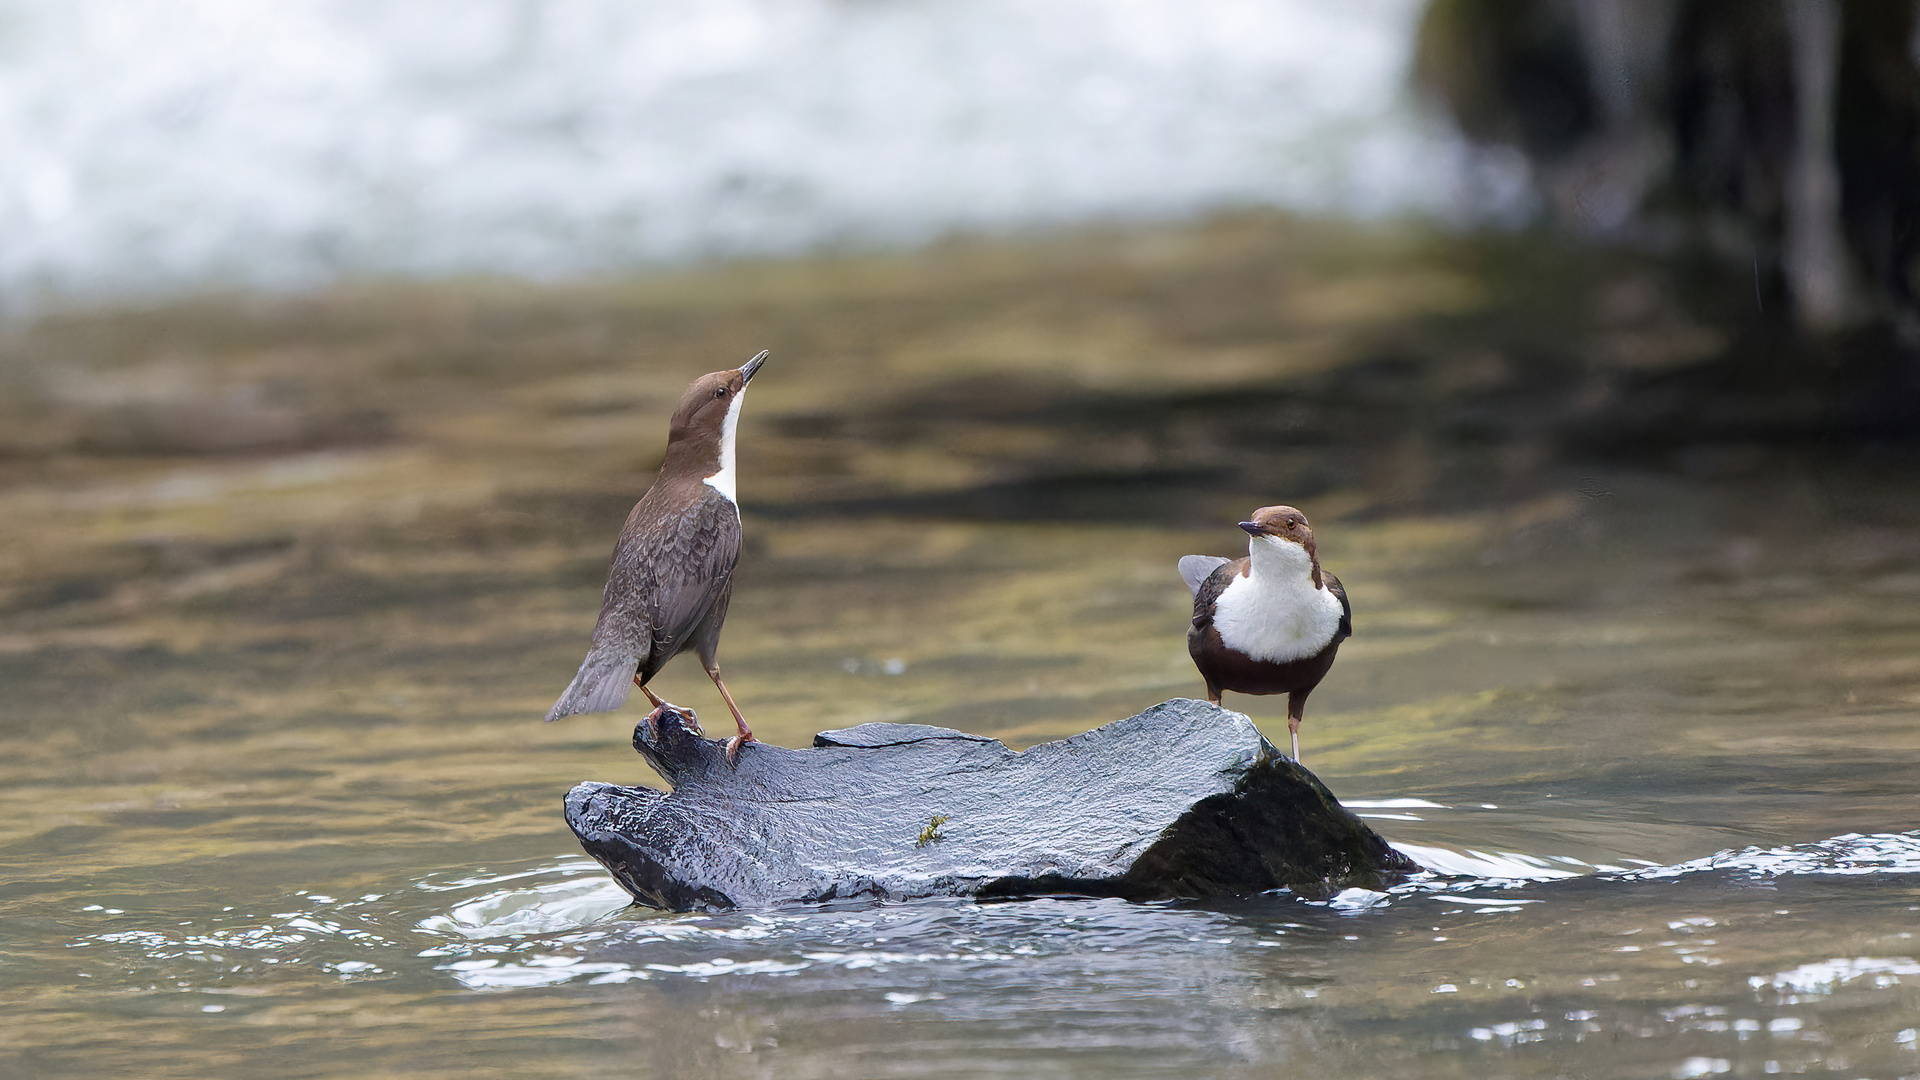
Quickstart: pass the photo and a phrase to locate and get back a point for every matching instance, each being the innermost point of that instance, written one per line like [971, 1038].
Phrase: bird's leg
[692, 717]
[746, 733]
[651, 696]
[1296, 709]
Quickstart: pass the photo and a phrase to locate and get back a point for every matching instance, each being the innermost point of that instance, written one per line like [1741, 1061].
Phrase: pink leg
[692, 717]
[1296, 708]
[746, 733]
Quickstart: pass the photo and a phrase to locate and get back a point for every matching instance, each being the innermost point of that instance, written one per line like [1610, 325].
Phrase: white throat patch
[1275, 613]
[722, 481]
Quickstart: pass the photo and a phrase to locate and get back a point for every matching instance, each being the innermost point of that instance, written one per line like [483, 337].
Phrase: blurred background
[224, 143]
[337, 337]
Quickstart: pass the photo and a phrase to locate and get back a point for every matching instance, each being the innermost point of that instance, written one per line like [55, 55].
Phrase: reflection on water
[1717, 966]
[367, 886]
[275, 800]
[362, 886]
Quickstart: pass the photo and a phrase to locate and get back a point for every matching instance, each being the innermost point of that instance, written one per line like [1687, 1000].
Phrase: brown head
[700, 436]
[1288, 524]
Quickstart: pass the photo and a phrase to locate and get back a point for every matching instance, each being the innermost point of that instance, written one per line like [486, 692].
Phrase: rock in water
[1183, 800]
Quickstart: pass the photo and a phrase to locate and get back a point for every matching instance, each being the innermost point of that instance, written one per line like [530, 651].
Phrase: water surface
[275, 799]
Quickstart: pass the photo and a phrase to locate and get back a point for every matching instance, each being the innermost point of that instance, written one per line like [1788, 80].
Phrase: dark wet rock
[1183, 800]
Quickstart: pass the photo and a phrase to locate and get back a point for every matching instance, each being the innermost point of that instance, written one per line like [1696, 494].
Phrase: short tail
[604, 681]
[1196, 569]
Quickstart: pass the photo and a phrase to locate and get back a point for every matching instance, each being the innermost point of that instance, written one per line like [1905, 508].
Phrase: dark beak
[747, 369]
[1252, 529]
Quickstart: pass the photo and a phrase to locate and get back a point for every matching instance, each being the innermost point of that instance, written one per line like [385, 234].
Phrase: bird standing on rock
[671, 578]
[1269, 623]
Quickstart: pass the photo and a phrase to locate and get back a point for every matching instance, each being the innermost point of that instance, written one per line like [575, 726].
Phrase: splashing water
[292, 143]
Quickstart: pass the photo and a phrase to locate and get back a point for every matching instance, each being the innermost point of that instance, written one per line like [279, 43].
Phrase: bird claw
[689, 720]
[734, 744]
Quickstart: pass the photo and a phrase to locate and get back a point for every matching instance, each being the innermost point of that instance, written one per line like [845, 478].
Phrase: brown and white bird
[1269, 623]
[672, 572]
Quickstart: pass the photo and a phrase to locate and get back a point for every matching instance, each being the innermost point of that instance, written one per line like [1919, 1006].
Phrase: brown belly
[1226, 669]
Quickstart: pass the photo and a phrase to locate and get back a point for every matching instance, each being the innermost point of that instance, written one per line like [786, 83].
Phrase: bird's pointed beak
[1253, 529]
[747, 369]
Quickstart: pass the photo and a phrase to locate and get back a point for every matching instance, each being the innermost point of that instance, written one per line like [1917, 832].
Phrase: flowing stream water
[1671, 823]
[275, 800]
[157, 151]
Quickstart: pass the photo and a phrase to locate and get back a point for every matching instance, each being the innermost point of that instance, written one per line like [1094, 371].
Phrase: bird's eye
[720, 392]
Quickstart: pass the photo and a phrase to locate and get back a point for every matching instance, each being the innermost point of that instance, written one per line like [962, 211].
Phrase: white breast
[1275, 613]
[722, 481]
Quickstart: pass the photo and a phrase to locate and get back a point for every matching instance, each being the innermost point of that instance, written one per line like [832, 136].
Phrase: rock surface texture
[1183, 800]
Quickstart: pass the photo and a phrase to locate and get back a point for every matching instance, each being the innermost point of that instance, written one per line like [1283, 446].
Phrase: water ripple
[1848, 854]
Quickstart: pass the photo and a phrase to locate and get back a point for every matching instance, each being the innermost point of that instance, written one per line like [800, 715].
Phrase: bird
[671, 576]
[1269, 623]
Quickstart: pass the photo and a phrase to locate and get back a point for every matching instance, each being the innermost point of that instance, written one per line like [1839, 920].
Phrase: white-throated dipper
[1269, 623]
[672, 572]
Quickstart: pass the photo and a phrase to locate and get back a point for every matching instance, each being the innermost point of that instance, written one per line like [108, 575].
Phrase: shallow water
[378, 881]
[285, 590]
[1792, 960]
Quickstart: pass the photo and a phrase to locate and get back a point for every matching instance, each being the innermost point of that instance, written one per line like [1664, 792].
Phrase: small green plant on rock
[931, 834]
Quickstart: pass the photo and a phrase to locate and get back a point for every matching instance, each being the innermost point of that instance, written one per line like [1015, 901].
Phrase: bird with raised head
[1269, 623]
[672, 571]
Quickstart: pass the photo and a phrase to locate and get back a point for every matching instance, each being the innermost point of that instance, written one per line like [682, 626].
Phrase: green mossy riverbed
[287, 583]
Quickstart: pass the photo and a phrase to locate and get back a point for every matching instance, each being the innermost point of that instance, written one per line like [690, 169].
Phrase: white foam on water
[1492, 865]
[566, 894]
[541, 909]
[1847, 855]
[154, 147]
[1827, 976]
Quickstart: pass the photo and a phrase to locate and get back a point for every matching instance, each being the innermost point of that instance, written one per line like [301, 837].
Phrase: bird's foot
[689, 720]
[734, 744]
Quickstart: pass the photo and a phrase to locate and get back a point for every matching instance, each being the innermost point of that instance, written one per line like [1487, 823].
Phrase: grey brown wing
[667, 571]
[693, 572]
[1346, 609]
